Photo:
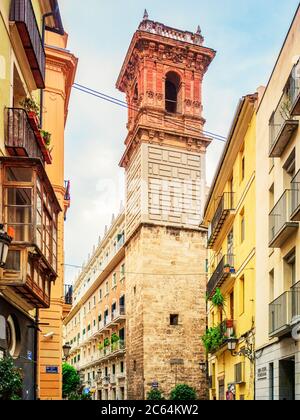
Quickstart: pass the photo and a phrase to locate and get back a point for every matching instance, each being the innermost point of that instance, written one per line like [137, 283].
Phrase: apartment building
[32, 187]
[230, 217]
[96, 325]
[277, 228]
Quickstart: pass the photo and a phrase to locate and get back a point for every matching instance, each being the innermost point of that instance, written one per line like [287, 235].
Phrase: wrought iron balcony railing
[282, 126]
[225, 206]
[284, 312]
[280, 224]
[224, 270]
[20, 138]
[22, 14]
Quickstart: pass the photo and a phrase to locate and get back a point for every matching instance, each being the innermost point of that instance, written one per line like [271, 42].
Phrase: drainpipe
[36, 366]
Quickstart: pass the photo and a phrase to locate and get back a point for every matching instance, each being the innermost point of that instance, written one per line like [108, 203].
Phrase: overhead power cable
[118, 102]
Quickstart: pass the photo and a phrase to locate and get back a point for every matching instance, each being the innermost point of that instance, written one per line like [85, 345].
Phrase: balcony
[23, 137]
[293, 87]
[295, 216]
[224, 209]
[118, 315]
[217, 337]
[282, 127]
[22, 14]
[68, 295]
[284, 312]
[30, 210]
[281, 226]
[113, 350]
[224, 270]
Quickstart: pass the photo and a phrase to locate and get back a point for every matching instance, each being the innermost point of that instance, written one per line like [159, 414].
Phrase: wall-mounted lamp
[246, 352]
[5, 241]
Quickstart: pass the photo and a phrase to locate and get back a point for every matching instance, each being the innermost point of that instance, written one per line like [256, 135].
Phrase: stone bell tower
[164, 162]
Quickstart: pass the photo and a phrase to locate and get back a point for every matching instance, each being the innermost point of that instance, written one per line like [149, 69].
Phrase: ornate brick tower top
[162, 77]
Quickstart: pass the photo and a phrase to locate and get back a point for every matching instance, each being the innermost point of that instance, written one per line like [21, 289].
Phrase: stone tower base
[166, 276]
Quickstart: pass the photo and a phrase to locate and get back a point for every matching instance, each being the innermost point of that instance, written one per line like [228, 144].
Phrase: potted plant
[213, 339]
[114, 341]
[218, 299]
[100, 346]
[227, 269]
[106, 342]
[32, 109]
[229, 324]
[46, 137]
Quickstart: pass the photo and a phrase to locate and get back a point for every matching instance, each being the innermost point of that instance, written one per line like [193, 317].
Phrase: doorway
[287, 379]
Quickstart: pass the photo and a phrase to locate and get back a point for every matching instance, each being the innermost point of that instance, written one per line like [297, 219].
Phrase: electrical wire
[118, 102]
[135, 273]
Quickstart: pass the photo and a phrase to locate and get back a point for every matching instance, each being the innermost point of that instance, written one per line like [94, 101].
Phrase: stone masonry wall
[169, 265]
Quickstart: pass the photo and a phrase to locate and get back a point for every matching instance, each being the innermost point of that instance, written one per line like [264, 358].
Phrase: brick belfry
[164, 162]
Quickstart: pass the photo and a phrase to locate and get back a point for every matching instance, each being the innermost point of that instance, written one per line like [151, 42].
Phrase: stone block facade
[164, 261]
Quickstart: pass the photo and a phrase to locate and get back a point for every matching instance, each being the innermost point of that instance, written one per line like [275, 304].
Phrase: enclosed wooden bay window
[29, 210]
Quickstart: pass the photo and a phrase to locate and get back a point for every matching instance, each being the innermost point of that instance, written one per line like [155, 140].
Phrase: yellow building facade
[230, 217]
[277, 228]
[36, 75]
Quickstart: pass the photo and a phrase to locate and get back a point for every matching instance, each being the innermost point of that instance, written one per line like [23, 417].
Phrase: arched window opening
[172, 89]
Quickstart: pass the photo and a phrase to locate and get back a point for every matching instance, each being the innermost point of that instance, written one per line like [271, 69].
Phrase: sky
[247, 35]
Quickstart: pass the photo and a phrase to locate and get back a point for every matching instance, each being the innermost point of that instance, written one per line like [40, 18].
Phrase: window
[123, 270]
[134, 365]
[113, 369]
[134, 290]
[172, 93]
[232, 306]
[271, 198]
[122, 367]
[289, 170]
[243, 226]
[174, 320]
[100, 295]
[242, 295]
[114, 280]
[290, 278]
[271, 281]
[94, 301]
[243, 169]
[107, 287]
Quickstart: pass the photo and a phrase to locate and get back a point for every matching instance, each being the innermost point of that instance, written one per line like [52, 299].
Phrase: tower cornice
[163, 49]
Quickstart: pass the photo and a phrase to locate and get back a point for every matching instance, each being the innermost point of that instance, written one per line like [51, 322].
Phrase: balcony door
[230, 247]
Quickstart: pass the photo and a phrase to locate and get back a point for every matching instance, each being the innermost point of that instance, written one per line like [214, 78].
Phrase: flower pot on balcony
[229, 324]
[227, 269]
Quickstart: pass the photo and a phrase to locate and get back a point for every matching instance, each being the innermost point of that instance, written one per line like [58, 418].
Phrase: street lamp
[246, 352]
[232, 344]
[66, 350]
[203, 367]
[5, 241]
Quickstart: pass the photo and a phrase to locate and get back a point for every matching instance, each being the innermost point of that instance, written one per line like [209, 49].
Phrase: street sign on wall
[52, 370]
